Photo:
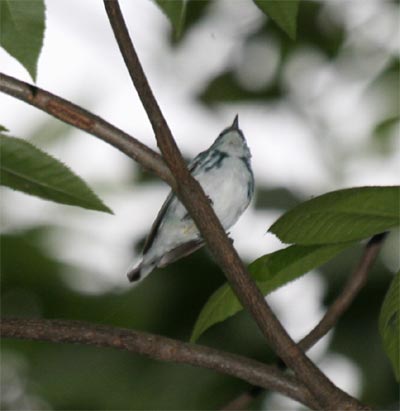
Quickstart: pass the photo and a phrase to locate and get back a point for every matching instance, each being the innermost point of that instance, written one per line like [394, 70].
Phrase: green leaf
[382, 128]
[175, 10]
[283, 12]
[385, 134]
[22, 26]
[270, 271]
[25, 168]
[389, 324]
[344, 215]
[3, 129]
[225, 88]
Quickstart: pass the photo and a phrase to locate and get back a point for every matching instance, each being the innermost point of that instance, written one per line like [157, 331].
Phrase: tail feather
[134, 275]
[140, 271]
[145, 267]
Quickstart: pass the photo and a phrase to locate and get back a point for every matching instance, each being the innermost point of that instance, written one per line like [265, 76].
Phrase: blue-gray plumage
[224, 172]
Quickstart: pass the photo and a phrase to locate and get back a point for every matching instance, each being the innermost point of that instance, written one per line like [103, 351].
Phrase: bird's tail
[140, 271]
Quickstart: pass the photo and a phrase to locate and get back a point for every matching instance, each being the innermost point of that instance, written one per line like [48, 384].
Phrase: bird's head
[231, 141]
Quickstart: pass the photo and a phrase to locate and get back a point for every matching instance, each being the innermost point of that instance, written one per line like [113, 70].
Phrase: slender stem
[350, 290]
[195, 201]
[84, 120]
[158, 348]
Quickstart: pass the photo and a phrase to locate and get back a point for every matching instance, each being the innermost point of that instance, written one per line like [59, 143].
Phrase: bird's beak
[235, 124]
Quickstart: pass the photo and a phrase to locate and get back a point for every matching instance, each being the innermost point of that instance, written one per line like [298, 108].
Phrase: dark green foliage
[339, 216]
[22, 26]
[276, 198]
[74, 377]
[283, 13]
[25, 168]
[389, 324]
[325, 38]
[270, 271]
[356, 335]
[182, 14]
[176, 13]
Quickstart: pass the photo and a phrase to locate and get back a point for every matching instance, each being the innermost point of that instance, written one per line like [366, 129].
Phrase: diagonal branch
[159, 348]
[350, 290]
[195, 201]
[84, 120]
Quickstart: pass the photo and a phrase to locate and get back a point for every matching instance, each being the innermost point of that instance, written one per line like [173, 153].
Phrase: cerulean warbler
[225, 174]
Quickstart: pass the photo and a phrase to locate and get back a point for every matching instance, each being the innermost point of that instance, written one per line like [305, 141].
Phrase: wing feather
[193, 168]
[156, 225]
[179, 252]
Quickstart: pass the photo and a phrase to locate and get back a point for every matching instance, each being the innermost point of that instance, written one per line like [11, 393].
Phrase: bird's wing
[179, 252]
[156, 225]
[195, 165]
[193, 168]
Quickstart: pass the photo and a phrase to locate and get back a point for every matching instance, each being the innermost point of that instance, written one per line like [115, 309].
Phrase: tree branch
[350, 290]
[84, 120]
[192, 196]
[158, 348]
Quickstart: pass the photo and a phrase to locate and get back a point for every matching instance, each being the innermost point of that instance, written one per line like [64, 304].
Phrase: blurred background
[320, 113]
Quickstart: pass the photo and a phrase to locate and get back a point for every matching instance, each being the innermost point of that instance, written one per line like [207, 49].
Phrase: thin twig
[80, 118]
[195, 201]
[350, 290]
[158, 348]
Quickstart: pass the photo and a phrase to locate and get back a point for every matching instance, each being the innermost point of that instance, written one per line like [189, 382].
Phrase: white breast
[227, 187]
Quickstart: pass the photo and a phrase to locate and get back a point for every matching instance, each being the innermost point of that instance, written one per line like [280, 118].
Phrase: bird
[225, 174]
